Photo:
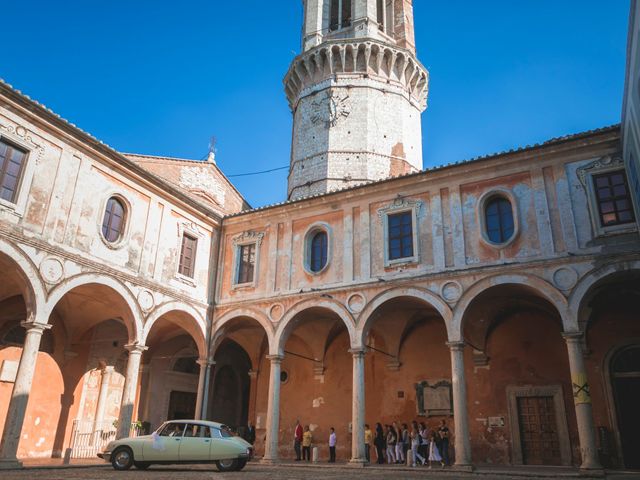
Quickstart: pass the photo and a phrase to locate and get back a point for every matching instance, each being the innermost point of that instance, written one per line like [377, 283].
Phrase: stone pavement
[291, 472]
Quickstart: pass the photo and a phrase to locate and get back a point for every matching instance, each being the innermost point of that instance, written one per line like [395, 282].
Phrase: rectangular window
[12, 161]
[187, 262]
[247, 263]
[400, 235]
[614, 201]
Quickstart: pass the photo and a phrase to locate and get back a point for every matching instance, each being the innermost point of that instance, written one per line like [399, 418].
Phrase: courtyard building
[497, 293]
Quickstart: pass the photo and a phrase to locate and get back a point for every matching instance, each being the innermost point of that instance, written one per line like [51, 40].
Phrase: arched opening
[316, 378]
[407, 367]
[239, 381]
[519, 372]
[609, 316]
[231, 386]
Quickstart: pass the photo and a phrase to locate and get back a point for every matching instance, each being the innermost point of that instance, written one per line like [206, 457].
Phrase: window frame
[398, 206]
[599, 201]
[586, 174]
[125, 220]
[12, 147]
[340, 26]
[191, 229]
[21, 138]
[312, 231]
[242, 240]
[192, 266]
[482, 219]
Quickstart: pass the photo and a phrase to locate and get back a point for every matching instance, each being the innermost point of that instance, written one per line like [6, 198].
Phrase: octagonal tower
[356, 92]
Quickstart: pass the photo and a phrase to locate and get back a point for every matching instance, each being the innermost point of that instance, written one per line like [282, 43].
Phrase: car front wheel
[122, 458]
[241, 464]
[229, 465]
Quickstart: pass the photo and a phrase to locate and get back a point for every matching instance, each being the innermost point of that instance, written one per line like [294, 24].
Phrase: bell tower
[356, 92]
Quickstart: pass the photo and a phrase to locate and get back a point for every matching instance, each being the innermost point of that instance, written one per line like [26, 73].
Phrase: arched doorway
[231, 386]
[625, 384]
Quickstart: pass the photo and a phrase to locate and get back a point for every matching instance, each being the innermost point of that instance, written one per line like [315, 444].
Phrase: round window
[113, 220]
[284, 376]
[498, 216]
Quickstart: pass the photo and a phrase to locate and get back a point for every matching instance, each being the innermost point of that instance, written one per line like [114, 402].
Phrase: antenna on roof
[211, 157]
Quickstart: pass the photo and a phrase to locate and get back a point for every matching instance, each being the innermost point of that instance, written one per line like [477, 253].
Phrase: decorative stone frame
[401, 205]
[124, 235]
[191, 229]
[607, 164]
[610, 398]
[308, 237]
[246, 238]
[21, 138]
[555, 391]
[482, 221]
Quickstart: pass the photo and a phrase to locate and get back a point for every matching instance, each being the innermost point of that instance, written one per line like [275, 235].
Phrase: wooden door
[182, 406]
[538, 431]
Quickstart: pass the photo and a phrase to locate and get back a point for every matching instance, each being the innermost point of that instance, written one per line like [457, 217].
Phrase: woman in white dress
[434, 453]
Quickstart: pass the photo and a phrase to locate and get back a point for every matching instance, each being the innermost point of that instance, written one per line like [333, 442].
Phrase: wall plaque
[434, 400]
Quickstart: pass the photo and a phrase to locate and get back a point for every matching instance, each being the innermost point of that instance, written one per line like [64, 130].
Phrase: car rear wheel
[141, 465]
[229, 465]
[122, 458]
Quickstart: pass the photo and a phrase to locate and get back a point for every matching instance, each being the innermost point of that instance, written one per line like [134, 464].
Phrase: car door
[164, 445]
[196, 443]
[222, 445]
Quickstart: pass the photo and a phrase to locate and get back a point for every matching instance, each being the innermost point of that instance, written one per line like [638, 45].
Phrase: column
[582, 402]
[273, 411]
[20, 395]
[358, 407]
[130, 388]
[102, 399]
[203, 388]
[460, 413]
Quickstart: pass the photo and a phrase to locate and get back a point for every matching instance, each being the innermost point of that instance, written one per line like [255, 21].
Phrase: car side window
[197, 431]
[172, 430]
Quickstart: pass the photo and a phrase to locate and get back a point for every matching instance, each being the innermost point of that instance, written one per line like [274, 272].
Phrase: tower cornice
[367, 57]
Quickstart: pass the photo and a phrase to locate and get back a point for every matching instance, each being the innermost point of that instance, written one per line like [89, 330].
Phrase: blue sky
[160, 77]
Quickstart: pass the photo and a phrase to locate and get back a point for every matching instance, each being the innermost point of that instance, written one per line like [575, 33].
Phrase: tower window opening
[380, 9]
[340, 14]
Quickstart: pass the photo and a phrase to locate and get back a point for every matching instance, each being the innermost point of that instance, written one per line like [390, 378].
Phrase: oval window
[113, 221]
[319, 246]
[499, 220]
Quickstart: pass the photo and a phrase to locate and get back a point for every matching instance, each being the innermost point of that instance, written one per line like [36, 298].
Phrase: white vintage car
[181, 442]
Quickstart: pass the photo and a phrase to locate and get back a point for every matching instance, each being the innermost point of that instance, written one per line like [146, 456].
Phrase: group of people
[392, 443]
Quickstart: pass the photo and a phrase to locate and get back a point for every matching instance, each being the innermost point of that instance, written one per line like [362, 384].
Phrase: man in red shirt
[298, 440]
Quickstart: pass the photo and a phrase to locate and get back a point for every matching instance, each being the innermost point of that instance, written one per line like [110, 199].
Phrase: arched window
[499, 220]
[339, 14]
[319, 248]
[113, 221]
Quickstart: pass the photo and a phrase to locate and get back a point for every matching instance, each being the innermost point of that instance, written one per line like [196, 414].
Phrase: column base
[11, 465]
[462, 468]
[592, 472]
[268, 461]
[357, 462]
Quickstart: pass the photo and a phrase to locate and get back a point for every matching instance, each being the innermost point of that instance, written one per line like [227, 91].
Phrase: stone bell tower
[356, 92]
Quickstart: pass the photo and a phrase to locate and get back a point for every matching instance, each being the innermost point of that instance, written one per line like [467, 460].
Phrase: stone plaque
[496, 422]
[434, 400]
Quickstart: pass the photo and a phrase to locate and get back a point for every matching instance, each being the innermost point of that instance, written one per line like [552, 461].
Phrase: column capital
[358, 352]
[573, 337]
[457, 346]
[108, 369]
[253, 374]
[36, 327]
[275, 358]
[205, 362]
[136, 348]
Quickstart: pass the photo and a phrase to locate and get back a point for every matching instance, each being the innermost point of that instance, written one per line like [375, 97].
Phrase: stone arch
[134, 327]
[586, 284]
[245, 312]
[430, 298]
[287, 323]
[35, 294]
[540, 286]
[198, 330]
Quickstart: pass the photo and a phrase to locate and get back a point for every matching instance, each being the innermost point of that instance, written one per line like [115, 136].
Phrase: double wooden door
[538, 431]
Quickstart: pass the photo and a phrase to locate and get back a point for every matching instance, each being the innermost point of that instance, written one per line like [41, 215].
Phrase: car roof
[206, 423]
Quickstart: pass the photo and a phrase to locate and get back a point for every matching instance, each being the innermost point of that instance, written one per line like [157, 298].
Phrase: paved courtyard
[285, 472]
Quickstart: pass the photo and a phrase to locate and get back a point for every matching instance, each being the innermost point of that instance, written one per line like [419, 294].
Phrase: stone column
[273, 411]
[102, 399]
[203, 388]
[20, 395]
[358, 408]
[130, 388]
[460, 413]
[582, 402]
